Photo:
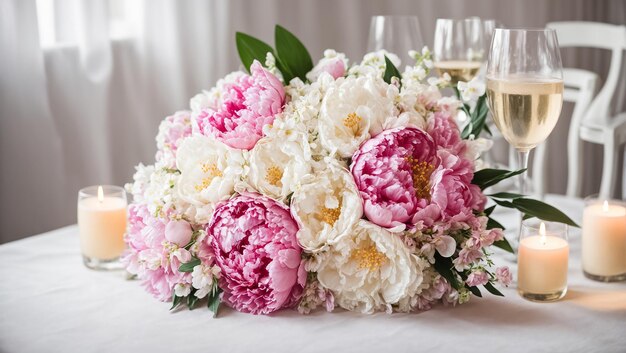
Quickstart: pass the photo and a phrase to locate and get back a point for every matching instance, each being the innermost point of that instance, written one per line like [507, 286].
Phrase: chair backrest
[580, 87]
[601, 36]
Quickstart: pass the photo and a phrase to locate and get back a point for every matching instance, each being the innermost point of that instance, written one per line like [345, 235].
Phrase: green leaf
[489, 287]
[191, 301]
[477, 119]
[444, 266]
[175, 301]
[488, 177]
[390, 71]
[543, 211]
[492, 223]
[489, 211]
[292, 54]
[504, 245]
[214, 299]
[188, 266]
[503, 203]
[485, 178]
[251, 49]
[475, 291]
[506, 195]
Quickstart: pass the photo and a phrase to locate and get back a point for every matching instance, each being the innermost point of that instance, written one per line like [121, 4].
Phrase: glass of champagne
[524, 87]
[395, 34]
[459, 48]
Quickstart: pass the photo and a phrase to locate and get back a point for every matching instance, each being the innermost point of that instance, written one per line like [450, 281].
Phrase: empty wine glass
[395, 34]
[459, 48]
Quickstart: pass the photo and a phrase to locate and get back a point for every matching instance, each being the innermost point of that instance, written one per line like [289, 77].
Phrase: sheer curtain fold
[85, 109]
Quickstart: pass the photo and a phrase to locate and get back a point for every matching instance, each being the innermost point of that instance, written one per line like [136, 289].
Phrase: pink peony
[504, 276]
[477, 278]
[255, 246]
[335, 66]
[452, 189]
[150, 256]
[172, 130]
[392, 173]
[445, 132]
[247, 105]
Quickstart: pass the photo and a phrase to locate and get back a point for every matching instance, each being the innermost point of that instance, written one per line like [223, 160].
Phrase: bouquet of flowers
[295, 185]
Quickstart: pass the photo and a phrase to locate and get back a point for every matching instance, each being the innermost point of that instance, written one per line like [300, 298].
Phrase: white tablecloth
[49, 302]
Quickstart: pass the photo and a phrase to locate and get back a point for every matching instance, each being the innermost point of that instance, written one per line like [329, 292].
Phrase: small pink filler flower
[255, 246]
[247, 105]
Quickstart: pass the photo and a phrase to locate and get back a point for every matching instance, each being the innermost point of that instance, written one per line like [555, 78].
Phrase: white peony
[277, 165]
[326, 207]
[209, 171]
[370, 270]
[353, 110]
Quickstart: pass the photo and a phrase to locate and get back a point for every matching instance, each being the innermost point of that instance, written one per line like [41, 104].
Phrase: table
[49, 302]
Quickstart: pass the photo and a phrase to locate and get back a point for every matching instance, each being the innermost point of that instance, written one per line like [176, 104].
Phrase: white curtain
[84, 84]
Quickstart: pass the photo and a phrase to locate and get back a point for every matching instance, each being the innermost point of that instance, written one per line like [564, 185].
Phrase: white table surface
[49, 302]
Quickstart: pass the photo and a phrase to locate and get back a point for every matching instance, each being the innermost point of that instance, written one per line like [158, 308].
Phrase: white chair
[580, 87]
[596, 125]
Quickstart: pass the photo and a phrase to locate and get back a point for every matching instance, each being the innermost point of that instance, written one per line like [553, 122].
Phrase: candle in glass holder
[102, 224]
[604, 240]
[542, 261]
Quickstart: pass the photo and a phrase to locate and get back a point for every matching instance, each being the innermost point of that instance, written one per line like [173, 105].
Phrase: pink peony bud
[178, 232]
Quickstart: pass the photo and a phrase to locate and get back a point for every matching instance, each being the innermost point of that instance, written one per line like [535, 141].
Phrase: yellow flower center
[352, 122]
[212, 171]
[421, 171]
[330, 215]
[369, 258]
[273, 175]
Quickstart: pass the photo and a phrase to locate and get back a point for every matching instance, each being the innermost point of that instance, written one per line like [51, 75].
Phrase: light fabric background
[80, 105]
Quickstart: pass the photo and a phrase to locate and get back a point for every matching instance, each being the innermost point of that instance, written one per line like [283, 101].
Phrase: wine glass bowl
[459, 48]
[395, 34]
[525, 85]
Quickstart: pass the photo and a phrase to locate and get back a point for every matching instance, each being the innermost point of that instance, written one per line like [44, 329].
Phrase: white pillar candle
[604, 240]
[102, 224]
[542, 266]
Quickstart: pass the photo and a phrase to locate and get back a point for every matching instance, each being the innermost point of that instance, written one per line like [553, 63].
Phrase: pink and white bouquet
[336, 185]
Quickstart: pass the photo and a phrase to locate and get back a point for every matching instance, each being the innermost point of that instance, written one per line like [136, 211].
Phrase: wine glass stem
[523, 164]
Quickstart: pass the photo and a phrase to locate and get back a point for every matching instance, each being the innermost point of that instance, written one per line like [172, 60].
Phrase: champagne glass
[524, 88]
[459, 48]
[395, 34]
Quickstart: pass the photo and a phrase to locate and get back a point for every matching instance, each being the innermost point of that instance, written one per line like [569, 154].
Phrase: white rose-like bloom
[278, 165]
[353, 110]
[209, 170]
[326, 208]
[370, 270]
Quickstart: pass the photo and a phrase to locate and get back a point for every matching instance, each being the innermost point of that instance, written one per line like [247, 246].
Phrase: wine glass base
[103, 265]
[542, 297]
[600, 278]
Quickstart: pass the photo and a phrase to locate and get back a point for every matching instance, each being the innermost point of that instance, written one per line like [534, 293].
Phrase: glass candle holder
[604, 240]
[102, 223]
[542, 261]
